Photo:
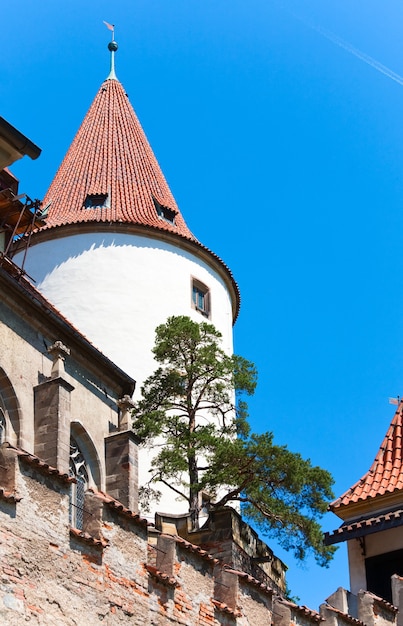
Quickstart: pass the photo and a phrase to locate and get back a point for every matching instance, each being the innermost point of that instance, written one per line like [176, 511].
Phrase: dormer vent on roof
[164, 212]
[97, 201]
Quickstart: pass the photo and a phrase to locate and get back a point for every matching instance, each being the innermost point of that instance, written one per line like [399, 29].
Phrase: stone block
[225, 587]
[52, 422]
[166, 552]
[121, 463]
[92, 521]
[8, 466]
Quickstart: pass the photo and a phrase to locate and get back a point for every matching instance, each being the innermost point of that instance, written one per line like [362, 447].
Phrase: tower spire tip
[112, 47]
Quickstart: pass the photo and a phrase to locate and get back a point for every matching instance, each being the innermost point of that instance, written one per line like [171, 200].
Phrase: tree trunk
[193, 477]
[194, 494]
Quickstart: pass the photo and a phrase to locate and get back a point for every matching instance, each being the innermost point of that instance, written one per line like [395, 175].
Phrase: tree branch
[173, 488]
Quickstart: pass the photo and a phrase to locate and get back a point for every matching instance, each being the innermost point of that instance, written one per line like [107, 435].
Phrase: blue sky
[284, 151]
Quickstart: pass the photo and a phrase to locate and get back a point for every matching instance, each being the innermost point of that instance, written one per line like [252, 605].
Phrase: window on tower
[97, 201]
[201, 300]
[164, 212]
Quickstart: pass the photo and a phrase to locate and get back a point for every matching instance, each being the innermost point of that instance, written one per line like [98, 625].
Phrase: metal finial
[112, 47]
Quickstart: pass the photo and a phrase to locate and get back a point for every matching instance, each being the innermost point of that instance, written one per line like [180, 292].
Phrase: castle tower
[116, 256]
[372, 514]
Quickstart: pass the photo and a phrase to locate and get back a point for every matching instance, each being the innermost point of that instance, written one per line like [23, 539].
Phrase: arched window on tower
[78, 470]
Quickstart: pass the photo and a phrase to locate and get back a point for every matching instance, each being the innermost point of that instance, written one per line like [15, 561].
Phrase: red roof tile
[250, 579]
[87, 538]
[119, 507]
[164, 578]
[42, 466]
[221, 606]
[110, 156]
[302, 610]
[345, 616]
[385, 475]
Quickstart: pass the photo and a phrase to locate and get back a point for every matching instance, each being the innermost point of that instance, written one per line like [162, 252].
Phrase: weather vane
[111, 27]
[112, 47]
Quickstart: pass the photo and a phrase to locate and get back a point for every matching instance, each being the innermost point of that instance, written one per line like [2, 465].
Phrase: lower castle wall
[110, 572]
[50, 576]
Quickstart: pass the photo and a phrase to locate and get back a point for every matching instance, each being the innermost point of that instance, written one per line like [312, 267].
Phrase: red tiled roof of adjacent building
[110, 173]
[385, 475]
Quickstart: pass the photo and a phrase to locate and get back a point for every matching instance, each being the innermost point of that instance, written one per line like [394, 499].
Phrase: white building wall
[356, 563]
[116, 288]
[375, 544]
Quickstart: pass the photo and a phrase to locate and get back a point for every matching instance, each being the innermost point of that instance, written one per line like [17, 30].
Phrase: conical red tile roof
[110, 177]
[386, 473]
[111, 158]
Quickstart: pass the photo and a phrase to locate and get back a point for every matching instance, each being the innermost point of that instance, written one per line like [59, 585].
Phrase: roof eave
[14, 145]
[373, 504]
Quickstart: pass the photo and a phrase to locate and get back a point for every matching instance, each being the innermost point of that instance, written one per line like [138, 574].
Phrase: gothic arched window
[10, 412]
[78, 470]
[3, 430]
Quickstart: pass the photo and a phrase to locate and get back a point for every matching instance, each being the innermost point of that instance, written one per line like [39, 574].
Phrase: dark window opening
[2, 427]
[97, 201]
[78, 470]
[165, 212]
[201, 298]
[379, 570]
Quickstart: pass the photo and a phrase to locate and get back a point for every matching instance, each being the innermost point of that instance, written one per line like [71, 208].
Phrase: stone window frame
[90, 477]
[78, 470]
[10, 410]
[3, 424]
[201, 297]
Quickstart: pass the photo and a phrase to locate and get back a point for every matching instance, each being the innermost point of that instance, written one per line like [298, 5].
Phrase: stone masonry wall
[110, 572]
[51, 574]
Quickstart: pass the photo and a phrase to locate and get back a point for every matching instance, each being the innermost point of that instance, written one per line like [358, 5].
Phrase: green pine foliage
[193, 403]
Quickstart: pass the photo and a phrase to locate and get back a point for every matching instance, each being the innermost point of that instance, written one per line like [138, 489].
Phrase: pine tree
[194, 403]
